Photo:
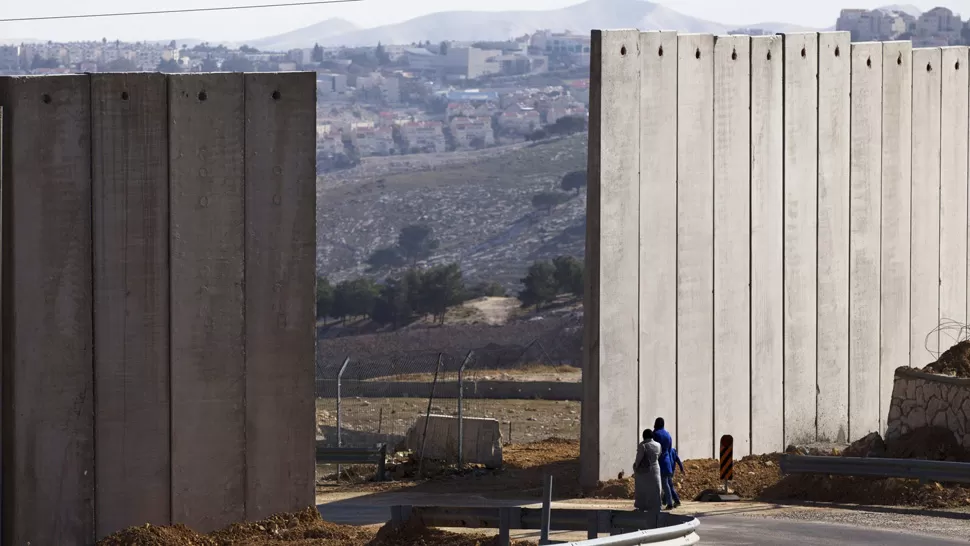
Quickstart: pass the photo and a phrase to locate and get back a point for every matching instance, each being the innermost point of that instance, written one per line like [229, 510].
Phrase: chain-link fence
[364, 401]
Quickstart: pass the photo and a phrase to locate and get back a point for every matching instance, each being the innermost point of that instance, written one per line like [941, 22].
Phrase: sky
[252, 24]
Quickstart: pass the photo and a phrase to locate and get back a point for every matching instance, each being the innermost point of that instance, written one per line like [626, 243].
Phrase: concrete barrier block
[482, 441]
[767, 172]
[48, 422]
[897, 152]
[832, 399]
[953, 186]
[207, 135]
[732, 240]
[658, 229]
[925, 223]
[131, 359]
[695, 246]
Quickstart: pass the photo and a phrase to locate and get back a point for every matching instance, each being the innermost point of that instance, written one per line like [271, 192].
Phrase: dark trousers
[670, 494]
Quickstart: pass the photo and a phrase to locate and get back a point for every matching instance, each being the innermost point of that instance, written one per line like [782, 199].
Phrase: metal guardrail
[353, 455]
[927, 471]
[627, 528]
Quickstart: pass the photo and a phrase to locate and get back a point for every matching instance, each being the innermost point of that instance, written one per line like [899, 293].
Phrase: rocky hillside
[480, 209]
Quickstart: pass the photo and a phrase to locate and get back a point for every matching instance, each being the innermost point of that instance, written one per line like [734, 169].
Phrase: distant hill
[307, 36]
[502, 25]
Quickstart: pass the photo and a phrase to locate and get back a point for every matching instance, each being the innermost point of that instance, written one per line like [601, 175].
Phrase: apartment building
[373, 141]
[519, 121]
[558, 111]
[472, 132]
[9, 57]
[423, 135]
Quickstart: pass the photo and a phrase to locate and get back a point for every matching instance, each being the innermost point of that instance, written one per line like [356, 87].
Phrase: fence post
[546, 510]
[343, 367]
[427, 417]
[461, 404]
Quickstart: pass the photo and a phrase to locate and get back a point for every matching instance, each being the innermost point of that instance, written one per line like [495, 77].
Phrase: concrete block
[611, 343]
[801, 218]
[281, 287]
[767, 200]
[832, 399]
[48, 425]
[864, 253]
[695, 246]
[925, 222]
[732, 241]
[658, 229]
[897, 150]
[207, 135]
[953, 187]
[131, 359]
[482, 442]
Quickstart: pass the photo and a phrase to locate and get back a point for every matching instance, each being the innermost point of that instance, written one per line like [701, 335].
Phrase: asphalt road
[718, 529]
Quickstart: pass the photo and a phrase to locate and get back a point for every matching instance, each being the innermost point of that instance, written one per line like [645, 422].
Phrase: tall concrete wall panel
[801, 244]
[658, 228]
[830, 176]
[832, 400]
[767, 161]
[864, 231]
[953, 190]
[695, 244]
[732, 240]
[131, 360]
[894, 283]
[611, 344]
[48, 415]
[144, 380]
[280, 272]
[924, 340]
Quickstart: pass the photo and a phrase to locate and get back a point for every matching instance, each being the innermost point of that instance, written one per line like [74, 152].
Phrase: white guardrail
[926, 471]
[626, 527]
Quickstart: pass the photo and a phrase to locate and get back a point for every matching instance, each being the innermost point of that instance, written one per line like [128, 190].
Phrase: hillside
[307, 36]
[480, 209]
[502, 25]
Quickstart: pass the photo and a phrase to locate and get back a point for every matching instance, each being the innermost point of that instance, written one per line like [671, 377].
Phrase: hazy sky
[258, 23]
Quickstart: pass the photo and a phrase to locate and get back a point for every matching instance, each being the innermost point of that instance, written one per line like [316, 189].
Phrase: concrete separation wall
[492, 390]
[922, 399]
[482, 440]
[158, 280]
[798, 208]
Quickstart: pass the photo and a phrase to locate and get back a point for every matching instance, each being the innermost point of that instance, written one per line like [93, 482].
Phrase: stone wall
[922, 399]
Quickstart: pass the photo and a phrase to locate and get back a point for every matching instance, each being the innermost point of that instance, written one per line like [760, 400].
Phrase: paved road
[724, 527]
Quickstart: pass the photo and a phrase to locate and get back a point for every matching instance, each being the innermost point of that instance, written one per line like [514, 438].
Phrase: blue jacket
[666, 444]
[675, 460]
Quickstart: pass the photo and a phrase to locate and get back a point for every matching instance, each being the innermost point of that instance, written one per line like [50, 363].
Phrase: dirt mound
[871, 491]
[414, 534]
[954, 362]
[151, 535]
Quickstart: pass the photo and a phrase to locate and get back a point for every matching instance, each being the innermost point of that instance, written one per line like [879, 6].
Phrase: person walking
[670, 494]
[666, 463]
[646, 475]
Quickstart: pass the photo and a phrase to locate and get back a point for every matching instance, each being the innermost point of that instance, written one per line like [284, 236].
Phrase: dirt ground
[538, 372]
[531, 420]
[954, 362]
[304, 528]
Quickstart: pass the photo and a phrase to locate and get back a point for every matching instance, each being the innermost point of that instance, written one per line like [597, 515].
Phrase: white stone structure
[924, 399]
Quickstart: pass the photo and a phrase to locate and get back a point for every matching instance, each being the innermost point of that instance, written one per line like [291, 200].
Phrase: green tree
[210, 65]
[442, 287]
[247, 49]
[354, 298]
[317, 55]
[488, 289]
[382, 56]
[238, 64]
[170, 66]
[393, 305]
[416, 242]
[443, 48]
[540, 285]
[569, 275]
[573, 181]
[121, 65]
[384, 258]
[548, 200]
[324, 298]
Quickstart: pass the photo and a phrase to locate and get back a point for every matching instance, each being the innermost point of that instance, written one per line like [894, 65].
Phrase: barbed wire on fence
[949, 333]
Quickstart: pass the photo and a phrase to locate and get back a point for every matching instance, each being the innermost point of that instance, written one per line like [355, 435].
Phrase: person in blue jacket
[667, 459]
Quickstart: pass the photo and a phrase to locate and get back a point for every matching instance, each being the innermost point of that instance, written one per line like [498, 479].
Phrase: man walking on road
[662, 437]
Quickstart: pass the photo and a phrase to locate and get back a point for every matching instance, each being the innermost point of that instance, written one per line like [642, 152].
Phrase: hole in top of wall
[957, 65]
[768, 56]
[697, 53]
[929, 67]
[46, 98]
[124, 95]
[837, 51]
[734, 54]
[623, 50]
[803, 52]
[899, 60]
[203, 96]
[869, 62]
[277, 95]
[660, 51]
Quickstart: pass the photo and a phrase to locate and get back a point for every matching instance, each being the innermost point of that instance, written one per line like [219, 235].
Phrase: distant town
[398, 99]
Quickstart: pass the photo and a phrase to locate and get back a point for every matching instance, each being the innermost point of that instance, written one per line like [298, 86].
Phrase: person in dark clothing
[646, 475]
[670, 494]
[666, 462]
